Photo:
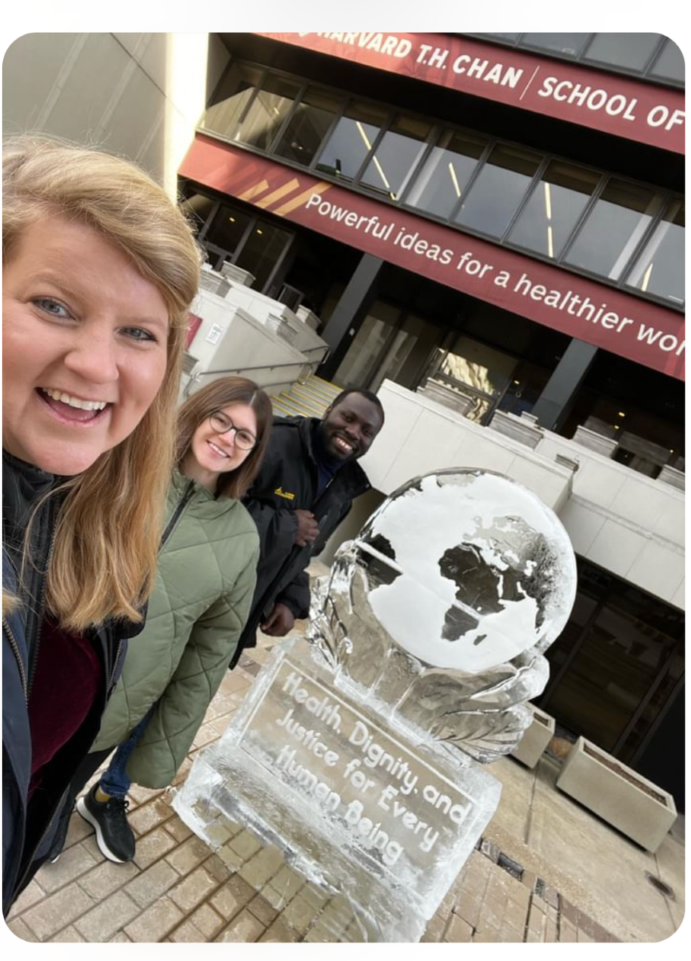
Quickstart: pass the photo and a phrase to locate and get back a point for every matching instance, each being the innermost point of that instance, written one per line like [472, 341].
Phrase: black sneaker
[114, 836]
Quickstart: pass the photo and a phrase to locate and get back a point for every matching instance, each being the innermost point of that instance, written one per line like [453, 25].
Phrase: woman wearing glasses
[197, 611]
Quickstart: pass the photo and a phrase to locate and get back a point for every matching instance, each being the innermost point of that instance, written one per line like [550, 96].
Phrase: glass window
[231, 100]
[630, 50]
[351, 140]
[396, 156]
[567, 44]
[613, 229]
[507, 37]
[440, 183]
[307, 127]
[263, 248]
[660, 268]
[267, 112]
[227, 229]
[669, 64]
[499, 188]
[552, 212]
[197, 208]
[360, 362]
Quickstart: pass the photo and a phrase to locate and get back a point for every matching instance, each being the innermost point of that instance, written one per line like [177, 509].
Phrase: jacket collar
[23, 485]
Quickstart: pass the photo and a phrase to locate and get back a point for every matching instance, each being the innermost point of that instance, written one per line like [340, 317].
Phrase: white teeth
[74, 401]
[218, 450]
[343, 444]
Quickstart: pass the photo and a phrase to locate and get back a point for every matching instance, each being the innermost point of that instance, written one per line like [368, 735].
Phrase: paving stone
[77, 831]
[458, 930]
[299, 914]
[106, 878]
[178, 829]
[280, 932]
[120, 938]
[244, 928]
[90, 845]
[508, 934]
[144, 794]
[152, 847]
[215, 866]
[567, 932]
[322, 933]
[263, 866]
[468, 908]
[190, 854]
[218, 833]
[287, 882]
[20, 930]
[313, 895]
[434, 931]
[206, 920]
[231, 858]
[156, 922]
[102, 922]
[245, 844]
[67, 935]
[30, 895]
[49, 916]
[187, 933]
[233, 896]
[149, 816]
[73, 862]
[152, 883]
[195, 888]
[262, 910]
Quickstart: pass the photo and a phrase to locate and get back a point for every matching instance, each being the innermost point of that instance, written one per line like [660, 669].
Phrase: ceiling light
[646, 278]
[548, 202]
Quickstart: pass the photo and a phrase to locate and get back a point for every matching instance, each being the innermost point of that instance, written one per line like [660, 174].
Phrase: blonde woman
[99, 269]
[204, 586]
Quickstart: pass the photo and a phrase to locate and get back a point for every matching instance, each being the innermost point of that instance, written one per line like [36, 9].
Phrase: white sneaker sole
[83, 810]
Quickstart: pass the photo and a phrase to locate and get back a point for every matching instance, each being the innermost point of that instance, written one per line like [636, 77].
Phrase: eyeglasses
[221, 424]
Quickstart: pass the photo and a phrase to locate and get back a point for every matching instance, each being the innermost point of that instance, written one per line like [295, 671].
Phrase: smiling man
[305, 487]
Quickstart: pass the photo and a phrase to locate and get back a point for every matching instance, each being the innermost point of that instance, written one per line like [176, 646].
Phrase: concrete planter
[536, 738]
[523, 429]
[638, 808]
[593, 441]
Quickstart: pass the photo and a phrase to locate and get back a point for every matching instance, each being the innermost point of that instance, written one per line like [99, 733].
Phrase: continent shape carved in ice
[481, 570]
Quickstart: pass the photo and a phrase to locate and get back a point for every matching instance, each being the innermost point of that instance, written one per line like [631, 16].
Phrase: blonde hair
[215, 396]
[108, 529]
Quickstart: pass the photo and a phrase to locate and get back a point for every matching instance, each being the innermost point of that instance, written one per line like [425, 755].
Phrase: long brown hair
[107, 536]
[215, 396]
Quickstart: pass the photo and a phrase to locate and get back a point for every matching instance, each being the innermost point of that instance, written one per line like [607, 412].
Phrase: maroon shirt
[67, 679]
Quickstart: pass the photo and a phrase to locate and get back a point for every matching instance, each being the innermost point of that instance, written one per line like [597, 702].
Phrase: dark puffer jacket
[287, 482]
[26, 840]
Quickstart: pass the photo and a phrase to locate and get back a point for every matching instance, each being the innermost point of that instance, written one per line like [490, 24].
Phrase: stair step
[307, 400]
[324, 385]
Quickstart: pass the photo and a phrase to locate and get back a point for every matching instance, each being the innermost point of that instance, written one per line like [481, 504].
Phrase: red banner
[614, 104]
[616, 321]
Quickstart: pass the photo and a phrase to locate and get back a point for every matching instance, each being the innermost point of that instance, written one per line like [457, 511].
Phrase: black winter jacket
[287, 481]
[26, 840]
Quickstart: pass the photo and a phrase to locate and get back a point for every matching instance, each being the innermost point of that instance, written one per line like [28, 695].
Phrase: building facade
[491, 230]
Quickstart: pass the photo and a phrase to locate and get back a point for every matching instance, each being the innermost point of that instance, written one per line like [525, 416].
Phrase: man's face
[347, 431]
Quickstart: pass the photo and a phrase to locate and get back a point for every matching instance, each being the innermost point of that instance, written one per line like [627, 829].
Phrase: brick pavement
[177, 889]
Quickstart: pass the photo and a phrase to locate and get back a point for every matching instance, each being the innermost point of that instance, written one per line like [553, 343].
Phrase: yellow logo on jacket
[281, 493]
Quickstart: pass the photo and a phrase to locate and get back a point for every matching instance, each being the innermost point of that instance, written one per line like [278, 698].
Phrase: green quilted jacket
[200, 602]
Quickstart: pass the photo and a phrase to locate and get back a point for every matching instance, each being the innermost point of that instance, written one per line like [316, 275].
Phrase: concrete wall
[138, 94]
[619, 519]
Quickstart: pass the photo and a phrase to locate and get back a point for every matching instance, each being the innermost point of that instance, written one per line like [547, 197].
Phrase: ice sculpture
[358, 756]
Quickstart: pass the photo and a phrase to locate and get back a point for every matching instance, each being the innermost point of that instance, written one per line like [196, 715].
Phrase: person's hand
[308, 529]
[279, 621]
